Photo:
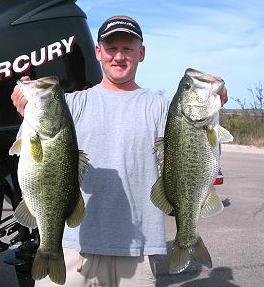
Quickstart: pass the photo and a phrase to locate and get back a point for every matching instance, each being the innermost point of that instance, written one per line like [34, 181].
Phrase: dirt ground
[242, 148]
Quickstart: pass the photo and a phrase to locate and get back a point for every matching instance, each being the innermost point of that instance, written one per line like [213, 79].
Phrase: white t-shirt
[117, 130]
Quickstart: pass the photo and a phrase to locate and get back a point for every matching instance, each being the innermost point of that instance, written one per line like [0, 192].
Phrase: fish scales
[186, 170]
[46, 178]
[188, 161]
[49, 172]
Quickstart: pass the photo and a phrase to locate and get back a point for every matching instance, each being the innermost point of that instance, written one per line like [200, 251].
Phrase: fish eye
[56, 94]
[187, 86]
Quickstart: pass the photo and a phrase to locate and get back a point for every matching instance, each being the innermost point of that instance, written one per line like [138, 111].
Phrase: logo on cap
[119, 24]
[109, 25]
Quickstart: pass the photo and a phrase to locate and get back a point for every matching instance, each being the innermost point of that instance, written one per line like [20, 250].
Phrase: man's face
[120, 54]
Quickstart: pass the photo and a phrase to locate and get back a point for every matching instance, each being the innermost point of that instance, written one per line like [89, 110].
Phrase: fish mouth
[217, 82]
[219, 87]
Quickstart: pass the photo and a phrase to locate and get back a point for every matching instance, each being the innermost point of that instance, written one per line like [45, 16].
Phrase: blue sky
[224, 38]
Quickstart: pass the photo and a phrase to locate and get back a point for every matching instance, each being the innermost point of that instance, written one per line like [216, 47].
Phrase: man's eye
[111, 49]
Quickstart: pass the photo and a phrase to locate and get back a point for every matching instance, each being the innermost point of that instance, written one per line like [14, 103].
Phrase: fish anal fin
[158, 197]
[47, 264]
[24, 216]
[212, 204]
[78, 213]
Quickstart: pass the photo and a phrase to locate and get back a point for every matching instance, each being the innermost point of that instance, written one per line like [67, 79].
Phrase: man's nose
[119, 55]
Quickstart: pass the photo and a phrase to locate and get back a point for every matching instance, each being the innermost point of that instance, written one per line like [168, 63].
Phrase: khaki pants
[107, 271]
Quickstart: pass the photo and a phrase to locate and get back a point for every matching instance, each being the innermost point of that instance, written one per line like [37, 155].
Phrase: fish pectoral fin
[224, 135]
[83, 164]
[24, 215]
[200, 253]
[158, 197]
[211, 136]
[78, 213]
[212, 204]
[46, 264]
[36, 148]
[16, 147]
[159, 150]
[179, 259]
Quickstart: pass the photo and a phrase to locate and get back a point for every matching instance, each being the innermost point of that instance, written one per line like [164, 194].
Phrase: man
[117, 123]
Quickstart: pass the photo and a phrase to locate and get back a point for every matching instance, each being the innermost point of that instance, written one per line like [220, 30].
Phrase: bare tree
[257, 94]
[241, 104]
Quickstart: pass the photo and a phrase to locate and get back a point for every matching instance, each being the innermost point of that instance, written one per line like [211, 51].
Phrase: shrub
[246, 126]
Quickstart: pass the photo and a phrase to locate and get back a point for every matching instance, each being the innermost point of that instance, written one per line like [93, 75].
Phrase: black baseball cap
[119, 24]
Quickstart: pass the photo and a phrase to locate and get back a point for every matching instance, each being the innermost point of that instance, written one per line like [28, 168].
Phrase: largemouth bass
[188, 158]
[49, 169]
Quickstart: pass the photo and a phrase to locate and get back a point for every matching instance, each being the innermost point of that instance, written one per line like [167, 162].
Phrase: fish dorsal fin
[24, 216]
[212, 204]
[159, 150]
[224, 135]
[83, 164]
[158, 197]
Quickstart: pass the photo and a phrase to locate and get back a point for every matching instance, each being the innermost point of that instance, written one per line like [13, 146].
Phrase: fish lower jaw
[197, 122]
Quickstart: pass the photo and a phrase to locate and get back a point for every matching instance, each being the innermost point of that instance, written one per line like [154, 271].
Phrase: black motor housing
[38, 38]
[33, 38]
[41, 38]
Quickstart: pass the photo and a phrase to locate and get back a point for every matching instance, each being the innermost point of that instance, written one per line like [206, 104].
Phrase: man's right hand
[18, 99]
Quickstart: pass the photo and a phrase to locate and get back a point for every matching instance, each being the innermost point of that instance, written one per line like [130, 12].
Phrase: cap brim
[105, 35]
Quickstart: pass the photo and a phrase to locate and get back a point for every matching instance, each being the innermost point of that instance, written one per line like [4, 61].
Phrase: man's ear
[98, 52]
[142, 53]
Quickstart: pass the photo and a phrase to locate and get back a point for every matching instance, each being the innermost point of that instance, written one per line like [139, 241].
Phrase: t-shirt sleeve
[76, 102]
[163, 112]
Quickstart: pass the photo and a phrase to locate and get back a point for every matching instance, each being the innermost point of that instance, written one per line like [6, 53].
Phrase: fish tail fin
[200, 253]
[180, 258]
[46, 264]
